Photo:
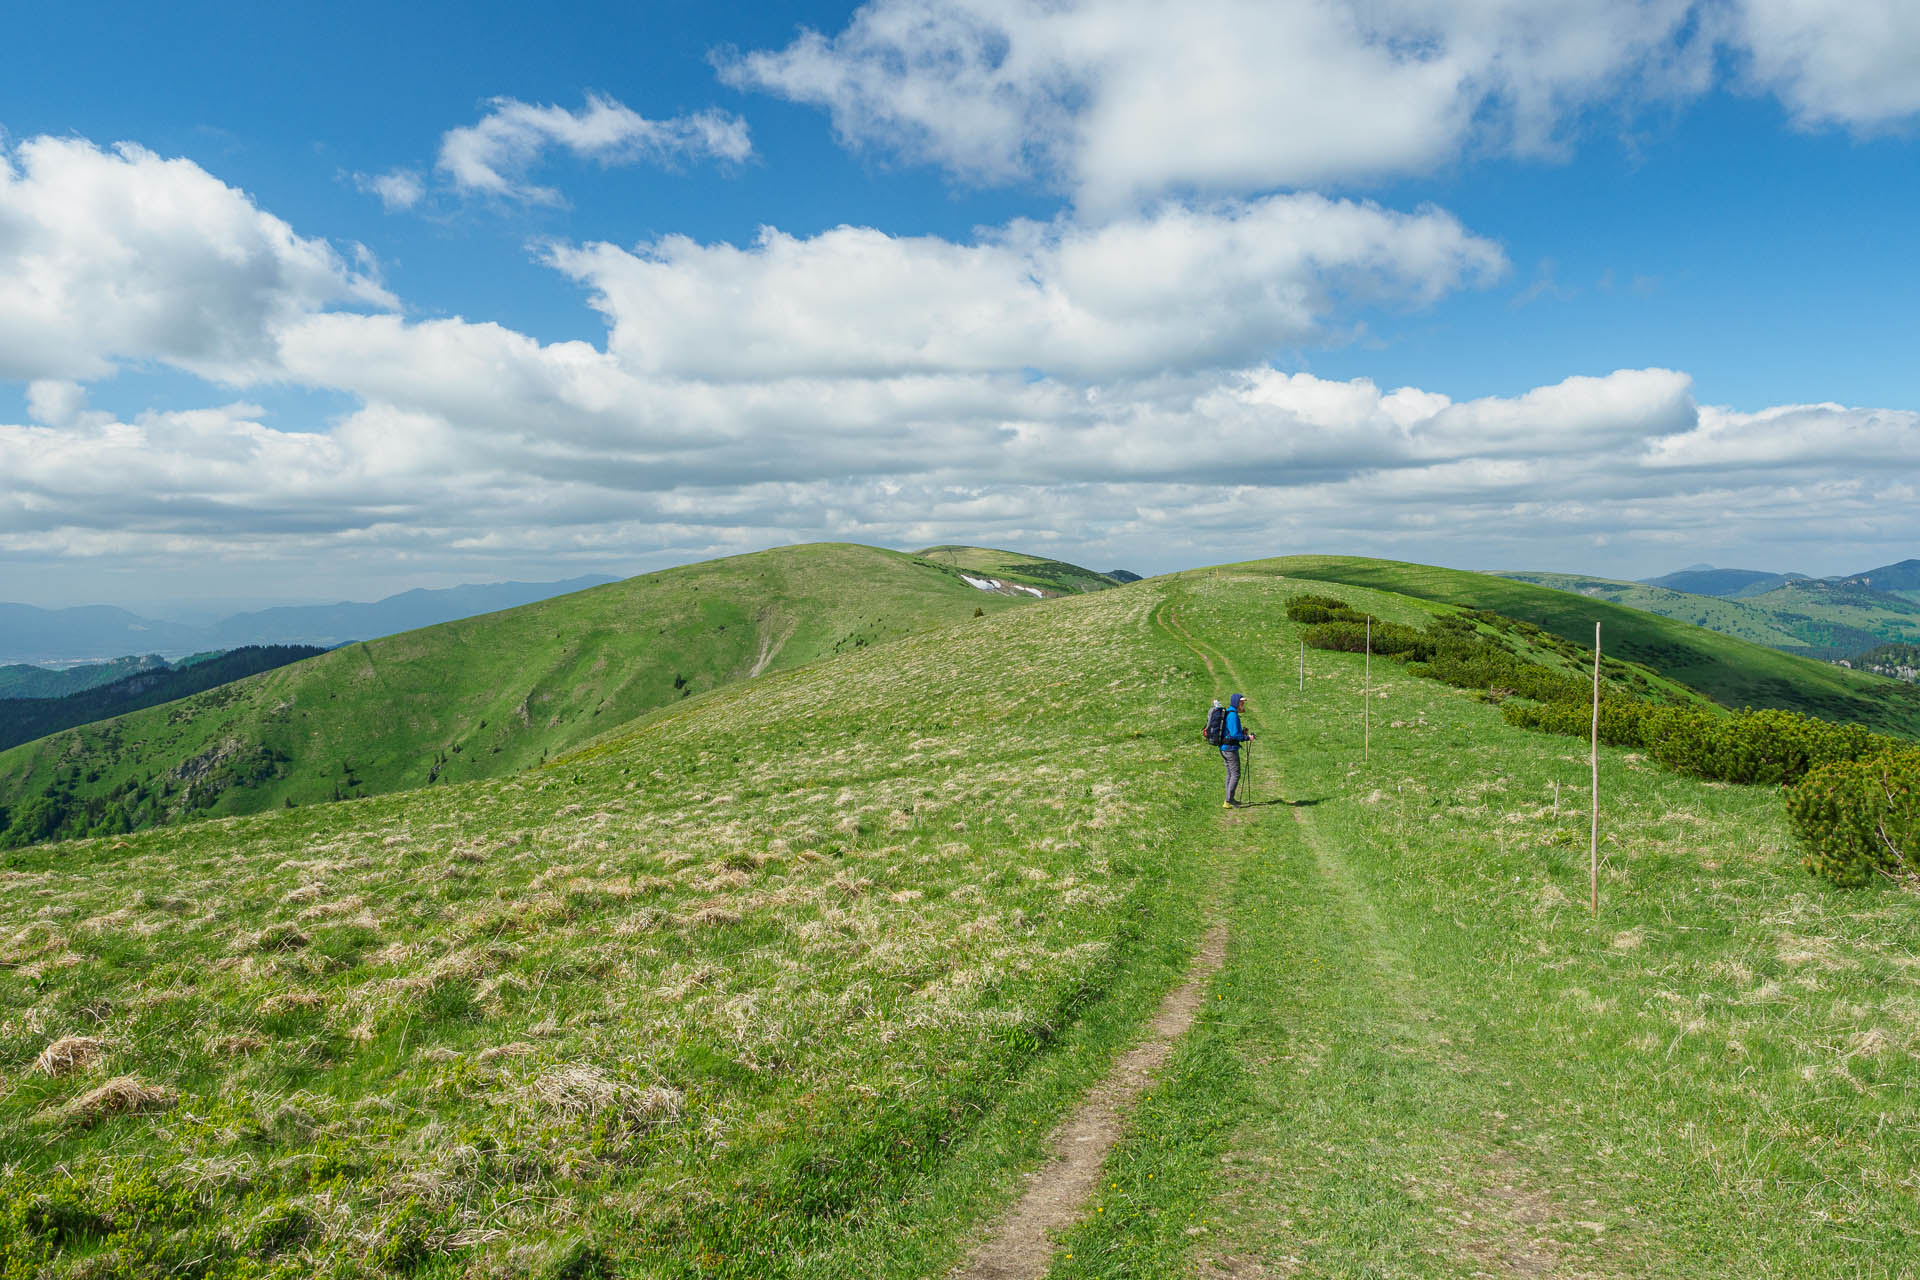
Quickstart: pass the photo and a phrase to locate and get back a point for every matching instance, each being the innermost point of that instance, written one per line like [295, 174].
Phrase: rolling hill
[813, 974]
[1732, 671]
[476, 698]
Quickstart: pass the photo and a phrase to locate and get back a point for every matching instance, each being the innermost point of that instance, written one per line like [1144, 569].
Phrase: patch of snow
[1032, 591]
[981, 584]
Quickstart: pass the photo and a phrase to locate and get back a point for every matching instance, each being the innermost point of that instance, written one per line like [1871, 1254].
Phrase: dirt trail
[1021, 1245]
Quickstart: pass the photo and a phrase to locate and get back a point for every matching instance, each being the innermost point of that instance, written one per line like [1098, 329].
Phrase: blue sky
[1131, 283]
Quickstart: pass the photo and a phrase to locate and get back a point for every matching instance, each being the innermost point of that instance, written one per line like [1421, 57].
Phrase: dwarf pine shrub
[1389, 639]
[1622, 723]
[1314, 608]
[1858, 818]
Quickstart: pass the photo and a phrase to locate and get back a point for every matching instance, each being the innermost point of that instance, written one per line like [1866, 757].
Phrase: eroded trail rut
[1021, 1244]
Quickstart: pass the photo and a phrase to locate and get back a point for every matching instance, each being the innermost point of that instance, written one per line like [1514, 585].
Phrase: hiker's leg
[1233, 773]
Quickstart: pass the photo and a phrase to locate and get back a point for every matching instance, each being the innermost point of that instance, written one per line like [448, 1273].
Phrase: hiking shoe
[1229, 805]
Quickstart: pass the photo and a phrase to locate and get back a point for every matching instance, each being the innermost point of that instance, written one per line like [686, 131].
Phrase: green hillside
[1732, 671]
[478, 698]
[801, 976]
[1055, 577]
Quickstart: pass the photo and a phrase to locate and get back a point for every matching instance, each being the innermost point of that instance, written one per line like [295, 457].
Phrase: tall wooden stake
[1303, 666]
[1366, 698]
[1593, 840]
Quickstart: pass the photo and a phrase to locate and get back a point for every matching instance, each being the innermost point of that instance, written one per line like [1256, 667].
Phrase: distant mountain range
[1833, 619]
[24, 719]
[1739, 584]
[33, 635]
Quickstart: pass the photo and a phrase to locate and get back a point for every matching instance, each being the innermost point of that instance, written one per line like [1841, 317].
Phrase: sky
[311, 302]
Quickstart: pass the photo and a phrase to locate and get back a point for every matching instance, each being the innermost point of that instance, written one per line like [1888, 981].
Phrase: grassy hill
[477, 698]
[796, 976]
[1732, 671]
[1055, 577]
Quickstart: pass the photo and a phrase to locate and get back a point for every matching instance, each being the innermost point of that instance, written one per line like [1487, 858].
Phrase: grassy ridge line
[487, 696]
[719, 998]
[1427, 1059]
[1731, 671]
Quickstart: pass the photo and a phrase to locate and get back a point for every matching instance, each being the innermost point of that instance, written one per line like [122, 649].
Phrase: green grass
[1731, 671]
[1425, 1058]
[793, 977]
[712, 997]
[486, 696]
[1056, 577]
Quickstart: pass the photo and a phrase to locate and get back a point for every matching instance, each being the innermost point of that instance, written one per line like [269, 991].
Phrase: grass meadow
[794, 977]
[1426, 1058]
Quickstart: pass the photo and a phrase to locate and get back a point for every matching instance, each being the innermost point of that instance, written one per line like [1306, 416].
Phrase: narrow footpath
[1327, 1114]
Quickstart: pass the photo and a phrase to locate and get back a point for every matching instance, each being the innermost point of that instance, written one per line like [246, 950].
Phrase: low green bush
[1311, 609]
[1389, 639]
[1476, 663]
[1622, 723]
[1764, 748]
[1858, 818]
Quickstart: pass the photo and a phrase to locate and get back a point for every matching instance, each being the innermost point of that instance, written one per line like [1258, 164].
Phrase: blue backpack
[1216, 731]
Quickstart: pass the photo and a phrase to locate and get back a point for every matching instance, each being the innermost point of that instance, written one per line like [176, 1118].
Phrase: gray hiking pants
[1232, 756]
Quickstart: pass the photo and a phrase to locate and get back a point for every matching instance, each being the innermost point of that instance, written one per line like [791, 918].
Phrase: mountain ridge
[30, 635]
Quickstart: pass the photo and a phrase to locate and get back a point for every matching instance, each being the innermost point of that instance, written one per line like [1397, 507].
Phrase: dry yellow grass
[69, 1054]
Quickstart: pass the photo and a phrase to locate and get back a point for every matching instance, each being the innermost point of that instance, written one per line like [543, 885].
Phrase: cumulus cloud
[1119, 101]
[1836, 62]
[1106, 389]
[494, 156]
[1178, 289]
[579, 455]
[117, 254]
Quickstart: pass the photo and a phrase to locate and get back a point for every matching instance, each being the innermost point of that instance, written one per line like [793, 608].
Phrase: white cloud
[111, 255]
[1844, 62]
[1103, 389]
[1119, 101]
[398, 189]
[494, 156]
[1181, 288]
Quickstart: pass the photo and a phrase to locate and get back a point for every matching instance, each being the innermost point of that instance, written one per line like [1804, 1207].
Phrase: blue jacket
[1236, 733]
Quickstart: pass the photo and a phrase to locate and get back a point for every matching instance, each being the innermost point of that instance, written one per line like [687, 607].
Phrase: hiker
[1234, 732]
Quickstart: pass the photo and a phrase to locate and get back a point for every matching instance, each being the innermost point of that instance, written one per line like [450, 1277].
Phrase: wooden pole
[1593, 839]
[1366, 698]
[1303, 665]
